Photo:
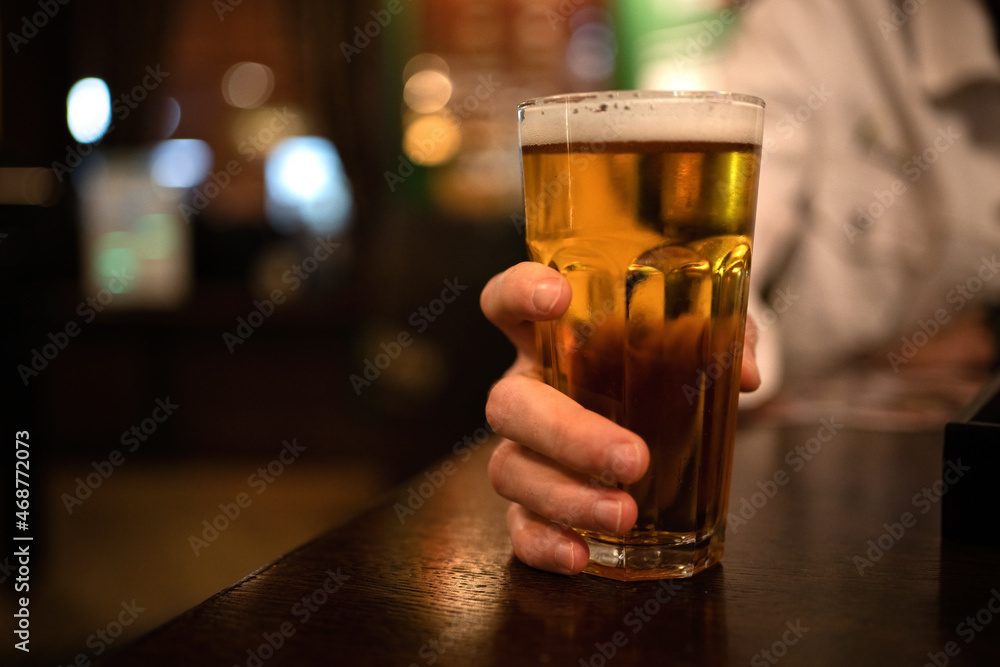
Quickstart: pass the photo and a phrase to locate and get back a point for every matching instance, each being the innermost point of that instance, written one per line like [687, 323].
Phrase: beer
[652, 226]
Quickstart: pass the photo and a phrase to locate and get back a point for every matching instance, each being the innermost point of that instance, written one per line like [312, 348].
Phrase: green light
[157, 236]
[116, 268]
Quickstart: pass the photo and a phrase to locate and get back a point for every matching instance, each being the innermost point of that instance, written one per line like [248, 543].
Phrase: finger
[750, 372]
[525, 293]
[545, 545]
[549, 490]
[543, 419]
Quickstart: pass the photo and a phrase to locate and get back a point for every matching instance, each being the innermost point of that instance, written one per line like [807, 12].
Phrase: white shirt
[879, 206]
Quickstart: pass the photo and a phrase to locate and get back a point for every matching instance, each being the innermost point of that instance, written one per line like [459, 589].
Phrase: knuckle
[487, 298]
[561, 438]
[513, 517]
[602, 460]
[523, 536]
[525, 550]
[497, 402]
[571, 444]
[499, 465]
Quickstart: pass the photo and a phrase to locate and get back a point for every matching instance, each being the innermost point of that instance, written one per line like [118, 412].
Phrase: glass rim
[661, 95]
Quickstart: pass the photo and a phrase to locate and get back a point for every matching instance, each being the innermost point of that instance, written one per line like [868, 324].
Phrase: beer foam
[641, 116]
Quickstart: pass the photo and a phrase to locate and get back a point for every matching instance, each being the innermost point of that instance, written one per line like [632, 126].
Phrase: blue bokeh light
[307, 185]
[88, 110]
[180, 163]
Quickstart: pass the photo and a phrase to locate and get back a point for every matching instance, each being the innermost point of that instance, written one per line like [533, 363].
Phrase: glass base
[615, 559]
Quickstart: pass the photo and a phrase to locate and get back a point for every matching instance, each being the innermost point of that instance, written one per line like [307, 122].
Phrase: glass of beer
[645, 202]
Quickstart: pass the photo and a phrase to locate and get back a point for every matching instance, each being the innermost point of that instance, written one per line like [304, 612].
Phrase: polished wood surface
[836, 559]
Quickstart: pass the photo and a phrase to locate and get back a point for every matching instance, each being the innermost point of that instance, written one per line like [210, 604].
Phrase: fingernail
[608, 515]
[544, 296]
[626, 461]
[564, 557]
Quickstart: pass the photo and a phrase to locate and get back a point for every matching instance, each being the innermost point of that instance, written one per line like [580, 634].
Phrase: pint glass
[645, 202]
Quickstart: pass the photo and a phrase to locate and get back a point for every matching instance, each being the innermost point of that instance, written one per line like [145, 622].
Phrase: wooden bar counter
[834, 557]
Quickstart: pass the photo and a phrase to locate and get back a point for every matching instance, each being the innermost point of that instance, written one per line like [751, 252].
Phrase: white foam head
[641, 116]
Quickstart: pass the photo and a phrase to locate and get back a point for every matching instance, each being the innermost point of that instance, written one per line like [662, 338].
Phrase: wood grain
[439, 586]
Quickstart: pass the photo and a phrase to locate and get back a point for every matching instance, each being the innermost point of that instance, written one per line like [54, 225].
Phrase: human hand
[552, 448]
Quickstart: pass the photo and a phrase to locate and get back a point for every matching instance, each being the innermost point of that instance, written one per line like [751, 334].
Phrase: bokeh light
[116, 261]
[156, 235]
[431, 140]
[427, 91]
[88, 110]
[171, 110]
[592, 46]
[180, 163]
[306, 184]
[32, 186]
[257, 131]
[425, 61]
[247, 85]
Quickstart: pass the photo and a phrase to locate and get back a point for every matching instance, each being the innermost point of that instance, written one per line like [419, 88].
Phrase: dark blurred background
[228, 225]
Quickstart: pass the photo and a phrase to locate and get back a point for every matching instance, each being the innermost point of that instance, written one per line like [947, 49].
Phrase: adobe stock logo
[635, 621]
[260, 480]
[913, 169]
[968, 629]
[923, 500]
[420, 319]
[779, 649]
[747, 507]
[121, 106]
[30, 26]
[898, 17]
[435, 479]
[295, 276]
[45, 353]
[131, 440]
[958, 297]
[372, 29]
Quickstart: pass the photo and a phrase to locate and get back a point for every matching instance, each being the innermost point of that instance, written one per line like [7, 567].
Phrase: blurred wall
[432, 217]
